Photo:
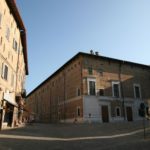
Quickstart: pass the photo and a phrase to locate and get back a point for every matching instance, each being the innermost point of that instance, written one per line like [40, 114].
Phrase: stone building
[13, 64]
[92, 88]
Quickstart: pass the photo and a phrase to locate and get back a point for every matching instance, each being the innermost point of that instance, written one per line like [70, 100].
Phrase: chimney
[97, 53]
[91, 52]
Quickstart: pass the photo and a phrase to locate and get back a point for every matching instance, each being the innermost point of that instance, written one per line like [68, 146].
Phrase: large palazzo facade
[91, 87]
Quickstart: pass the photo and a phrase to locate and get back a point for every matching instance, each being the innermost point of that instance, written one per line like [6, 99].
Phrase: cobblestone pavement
[46, 137]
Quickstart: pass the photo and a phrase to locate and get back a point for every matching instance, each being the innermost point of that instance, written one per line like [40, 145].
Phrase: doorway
[8, 117]
[129, 113]
[105, 114]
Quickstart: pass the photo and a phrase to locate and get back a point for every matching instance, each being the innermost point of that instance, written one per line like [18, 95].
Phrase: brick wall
[56, 98]
[60, 97]
[106, 71]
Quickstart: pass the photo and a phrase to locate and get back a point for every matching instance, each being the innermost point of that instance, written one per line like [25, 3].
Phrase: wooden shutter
[2, 72]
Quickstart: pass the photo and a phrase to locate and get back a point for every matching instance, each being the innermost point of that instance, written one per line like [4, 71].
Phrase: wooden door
[105, 114]
[129, 113]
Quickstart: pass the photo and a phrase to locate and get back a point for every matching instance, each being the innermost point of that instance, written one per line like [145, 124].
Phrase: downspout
[122, 90]
[82, 87]
[17, 70]
[50, 104]
[64, 95]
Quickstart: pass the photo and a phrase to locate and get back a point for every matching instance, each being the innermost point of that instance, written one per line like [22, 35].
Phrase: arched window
[118, 112]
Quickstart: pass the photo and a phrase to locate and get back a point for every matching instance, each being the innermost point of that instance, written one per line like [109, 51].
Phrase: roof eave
[84, 54]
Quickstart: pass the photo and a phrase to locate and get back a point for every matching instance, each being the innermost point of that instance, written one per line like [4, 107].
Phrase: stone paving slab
[123, 143]
[77, 130]
[42, 137]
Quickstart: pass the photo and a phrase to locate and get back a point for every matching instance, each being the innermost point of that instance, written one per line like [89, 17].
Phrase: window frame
[7, 33]
[1, 19]
[90, 70]
[99, 92]
[139, 86]
[91, 80]
[78, 111]
[119, 91]
[15, 44]
[116, 113]
[78, 92]
[1, 41]
[5, 73]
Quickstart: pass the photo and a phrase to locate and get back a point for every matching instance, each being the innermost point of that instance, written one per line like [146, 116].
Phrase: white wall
[92, 105]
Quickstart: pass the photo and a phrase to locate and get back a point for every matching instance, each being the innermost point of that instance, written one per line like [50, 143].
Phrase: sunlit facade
[91, 87]
[13, 64]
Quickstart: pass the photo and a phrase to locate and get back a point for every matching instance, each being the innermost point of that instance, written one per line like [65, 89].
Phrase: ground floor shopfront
[10, 112]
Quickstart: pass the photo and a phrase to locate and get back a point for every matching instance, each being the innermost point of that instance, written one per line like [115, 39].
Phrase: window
[4, 71]
[137, 91]
[12, 58]
[90, 70]
[116, 89]
[18, 47]
[1, 41]
[118, 113]
[78, 111]
[7, 33]
[92, 87]
[101, 71]
[78, 92]
[101, 92]
[15, 45]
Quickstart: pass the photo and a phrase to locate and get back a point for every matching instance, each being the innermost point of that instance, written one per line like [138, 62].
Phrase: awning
[9, 99]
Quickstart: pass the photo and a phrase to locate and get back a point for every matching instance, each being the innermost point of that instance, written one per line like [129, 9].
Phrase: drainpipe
[122, 91]
[64, 95]
[81, 90]
[17, 70]
[50, 104]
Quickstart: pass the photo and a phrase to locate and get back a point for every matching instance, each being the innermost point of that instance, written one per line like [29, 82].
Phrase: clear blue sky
[58, 29]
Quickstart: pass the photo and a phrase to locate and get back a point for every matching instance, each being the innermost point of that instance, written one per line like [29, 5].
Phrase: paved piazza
[111, 136]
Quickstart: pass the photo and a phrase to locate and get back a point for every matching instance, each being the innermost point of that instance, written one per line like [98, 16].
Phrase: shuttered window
[0, 19]
[116, 89]
[137, 91]
[92, 87]
[4, 71]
